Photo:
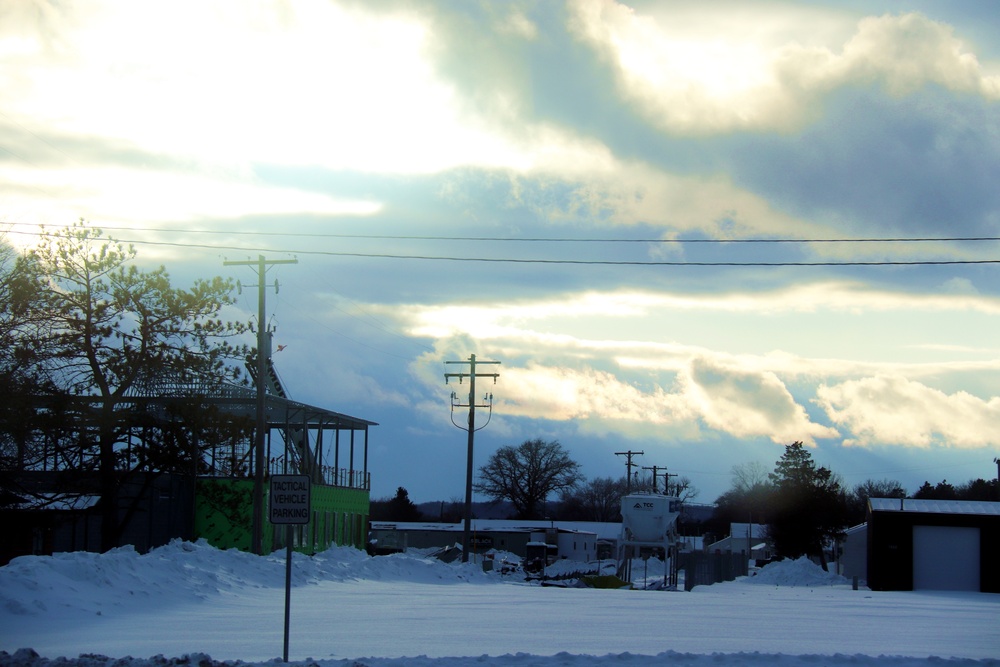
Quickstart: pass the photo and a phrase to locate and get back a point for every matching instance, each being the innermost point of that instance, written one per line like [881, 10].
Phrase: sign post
[289, 505]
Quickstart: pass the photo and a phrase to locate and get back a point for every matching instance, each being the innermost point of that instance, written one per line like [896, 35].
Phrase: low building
[573, 539]
[748, 538]
[852, 556]
[690, 543]
[933, 545]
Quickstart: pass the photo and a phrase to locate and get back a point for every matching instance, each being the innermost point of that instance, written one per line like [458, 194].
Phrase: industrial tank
[649, 517]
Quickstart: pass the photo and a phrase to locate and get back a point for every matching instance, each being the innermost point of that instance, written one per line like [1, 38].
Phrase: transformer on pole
[471, 428]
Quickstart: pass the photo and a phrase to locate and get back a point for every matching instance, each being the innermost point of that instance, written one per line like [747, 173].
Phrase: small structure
[933, 544]
[852, 556]
[744, 538]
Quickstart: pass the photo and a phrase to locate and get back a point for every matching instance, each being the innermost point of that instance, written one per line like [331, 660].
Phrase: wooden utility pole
[666, 482]
[628, 466]
[655, 475]
[263, 354]
[471, 428]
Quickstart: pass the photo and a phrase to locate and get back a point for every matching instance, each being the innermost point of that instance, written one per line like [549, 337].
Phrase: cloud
[111, 194]
[283, 92]
[730, 401]
[907, 52]
[781, 331]
[609, 361]
[639, 193]
[565, 393]
[278, 83]
[513, 21]
[892, 410]
[736, 79]
[875, 165]
[842, 296]
[749, 405]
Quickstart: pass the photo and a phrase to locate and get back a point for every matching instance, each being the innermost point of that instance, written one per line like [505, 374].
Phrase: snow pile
[28, 658]
[568, 568]
[799, 572]
[183, 572]
[185, 602]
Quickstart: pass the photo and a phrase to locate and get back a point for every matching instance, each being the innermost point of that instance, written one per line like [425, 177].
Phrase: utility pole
[655, 475]
[263, 355]
[628, 466]
[471, 428]
[666, 481]
[996, 459]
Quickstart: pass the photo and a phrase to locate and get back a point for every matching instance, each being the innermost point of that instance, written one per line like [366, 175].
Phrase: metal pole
[288, 586]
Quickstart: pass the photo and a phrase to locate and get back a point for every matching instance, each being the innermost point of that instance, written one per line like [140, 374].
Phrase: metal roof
[934, 506]
[601, 529]
[241, 400]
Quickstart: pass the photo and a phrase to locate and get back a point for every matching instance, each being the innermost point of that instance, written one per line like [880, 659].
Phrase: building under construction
[56, 502]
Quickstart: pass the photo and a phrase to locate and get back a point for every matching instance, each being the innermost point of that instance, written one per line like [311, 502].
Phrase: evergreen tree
[979, 489]
[397, 508]
[809, 509]
[110, 330]
[974, 489]
[942, 491]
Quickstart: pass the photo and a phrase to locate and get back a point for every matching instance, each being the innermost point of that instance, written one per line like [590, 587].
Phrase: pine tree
[112, 329]
[809, 507]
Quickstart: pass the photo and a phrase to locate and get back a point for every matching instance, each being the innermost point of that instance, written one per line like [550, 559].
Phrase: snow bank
[352, 610]
[28, 658]
[799, 572]
[183, 572]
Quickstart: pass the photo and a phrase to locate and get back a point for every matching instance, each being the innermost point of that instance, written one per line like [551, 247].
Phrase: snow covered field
[350, 610]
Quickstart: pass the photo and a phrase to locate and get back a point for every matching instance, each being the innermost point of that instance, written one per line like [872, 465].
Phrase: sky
[129, 610]
[670, 223]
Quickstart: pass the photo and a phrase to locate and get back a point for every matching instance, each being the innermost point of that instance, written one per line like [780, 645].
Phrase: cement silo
[649, 528]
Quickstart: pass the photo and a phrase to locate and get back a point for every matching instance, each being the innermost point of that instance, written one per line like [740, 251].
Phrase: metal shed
[933, 545]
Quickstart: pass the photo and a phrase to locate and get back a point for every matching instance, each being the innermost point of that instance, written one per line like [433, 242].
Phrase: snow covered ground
[185, 602]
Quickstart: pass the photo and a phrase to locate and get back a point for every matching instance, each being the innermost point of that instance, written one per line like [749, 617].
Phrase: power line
[581, 262]
[543, 239]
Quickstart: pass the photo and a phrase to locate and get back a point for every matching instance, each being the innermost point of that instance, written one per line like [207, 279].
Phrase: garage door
[945, 558]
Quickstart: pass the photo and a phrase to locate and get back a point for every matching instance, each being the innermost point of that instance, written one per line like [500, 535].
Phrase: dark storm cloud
[923, 164]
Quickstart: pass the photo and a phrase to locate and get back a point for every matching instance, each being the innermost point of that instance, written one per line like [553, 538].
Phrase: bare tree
[526, 475]
[750, 475]
[684, 489]
[599, 499]
[871, 488]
